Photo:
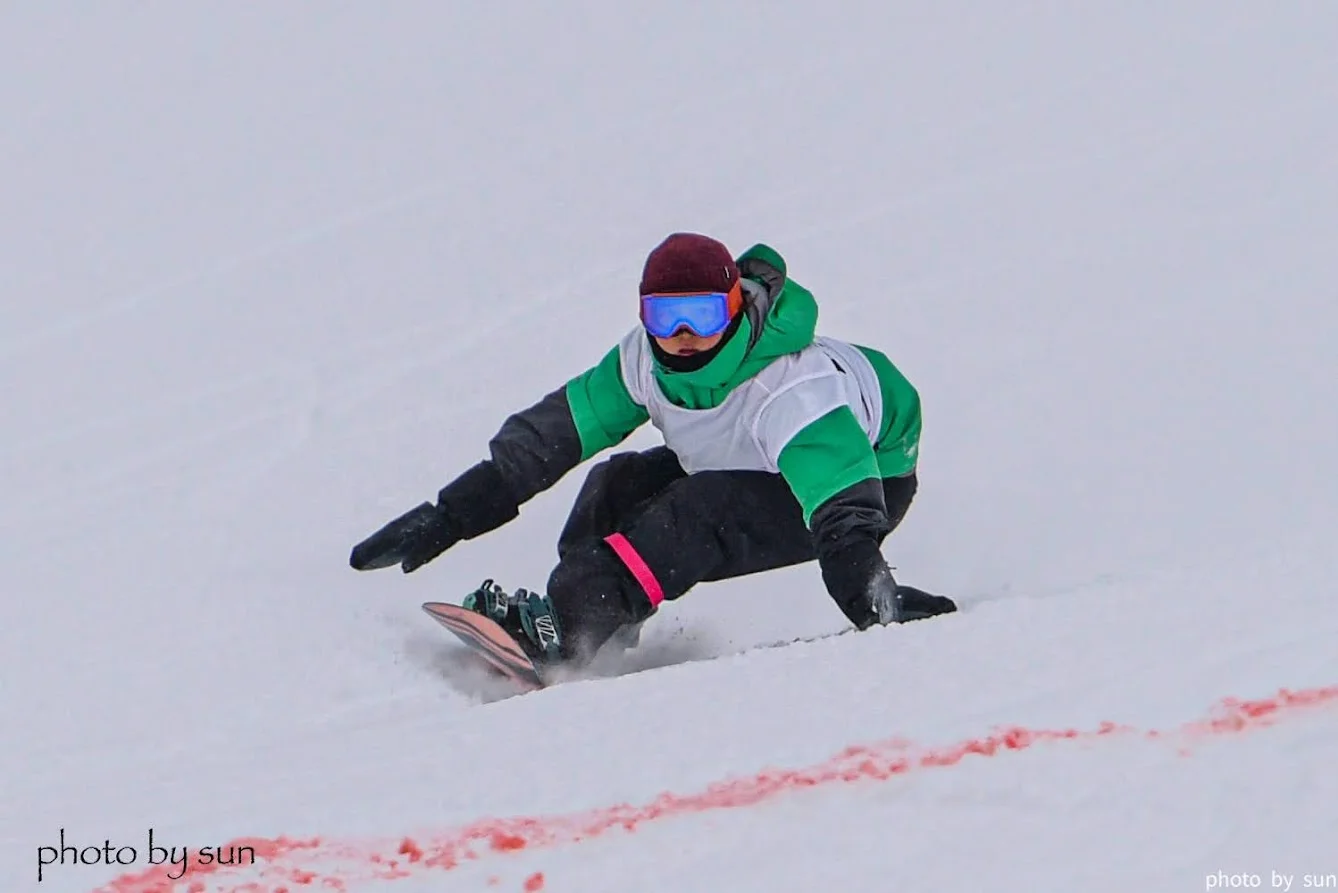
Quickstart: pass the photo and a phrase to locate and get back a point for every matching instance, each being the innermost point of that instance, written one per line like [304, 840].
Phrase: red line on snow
[288, 866]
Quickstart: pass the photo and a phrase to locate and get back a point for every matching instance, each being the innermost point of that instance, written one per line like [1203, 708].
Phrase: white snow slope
[271, 274]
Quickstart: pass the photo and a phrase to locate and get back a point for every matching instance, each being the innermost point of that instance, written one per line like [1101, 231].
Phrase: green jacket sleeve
[898, 448]
[602, 409]
[832, 469]
[825, 458]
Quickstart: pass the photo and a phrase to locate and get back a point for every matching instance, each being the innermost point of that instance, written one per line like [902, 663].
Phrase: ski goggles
[703, 313]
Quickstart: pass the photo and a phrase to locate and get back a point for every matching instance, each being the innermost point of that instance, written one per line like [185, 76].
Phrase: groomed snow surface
[273, 273]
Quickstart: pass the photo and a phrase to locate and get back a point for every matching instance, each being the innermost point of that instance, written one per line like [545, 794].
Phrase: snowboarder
[780, 447]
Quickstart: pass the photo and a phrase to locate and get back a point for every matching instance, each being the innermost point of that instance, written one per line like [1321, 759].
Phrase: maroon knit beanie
[689, 262]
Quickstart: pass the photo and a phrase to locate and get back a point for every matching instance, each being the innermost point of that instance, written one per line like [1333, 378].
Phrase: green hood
[781, 318]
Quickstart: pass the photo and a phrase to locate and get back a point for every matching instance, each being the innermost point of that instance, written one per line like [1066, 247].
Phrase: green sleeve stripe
[601, 407]
[826, 457]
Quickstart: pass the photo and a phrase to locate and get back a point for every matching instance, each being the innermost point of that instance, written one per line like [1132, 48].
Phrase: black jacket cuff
[478, 501]
[852, 575]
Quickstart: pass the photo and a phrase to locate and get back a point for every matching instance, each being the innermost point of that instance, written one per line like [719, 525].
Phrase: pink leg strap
[637, 565]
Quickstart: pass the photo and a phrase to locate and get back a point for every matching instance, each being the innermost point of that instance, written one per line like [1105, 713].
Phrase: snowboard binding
[526, 616]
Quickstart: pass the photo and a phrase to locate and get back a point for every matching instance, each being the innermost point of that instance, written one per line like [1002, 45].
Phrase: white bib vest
[755, 422]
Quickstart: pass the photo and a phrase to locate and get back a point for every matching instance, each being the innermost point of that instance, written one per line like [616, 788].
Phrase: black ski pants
[642, 531]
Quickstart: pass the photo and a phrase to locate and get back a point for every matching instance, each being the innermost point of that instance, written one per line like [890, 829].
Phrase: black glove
[474, 503]
[411, 540]
[916, 604]
[861, 584]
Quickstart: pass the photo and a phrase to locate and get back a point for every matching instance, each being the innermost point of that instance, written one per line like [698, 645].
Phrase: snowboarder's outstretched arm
[531, 451]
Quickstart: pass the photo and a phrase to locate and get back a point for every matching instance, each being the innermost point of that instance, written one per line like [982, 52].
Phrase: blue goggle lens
[705, 314]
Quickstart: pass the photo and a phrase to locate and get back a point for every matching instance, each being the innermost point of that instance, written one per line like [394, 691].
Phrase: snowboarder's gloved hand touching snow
[473, 504]
[862, 585]
[860, 582]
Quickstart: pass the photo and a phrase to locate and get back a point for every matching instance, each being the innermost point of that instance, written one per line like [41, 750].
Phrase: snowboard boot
[526, 616]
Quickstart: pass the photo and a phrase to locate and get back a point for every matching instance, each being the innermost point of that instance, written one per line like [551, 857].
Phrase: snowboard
[486, 637]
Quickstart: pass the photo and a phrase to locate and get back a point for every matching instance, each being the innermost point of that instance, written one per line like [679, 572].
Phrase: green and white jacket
[821, 412]
[832, 418]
